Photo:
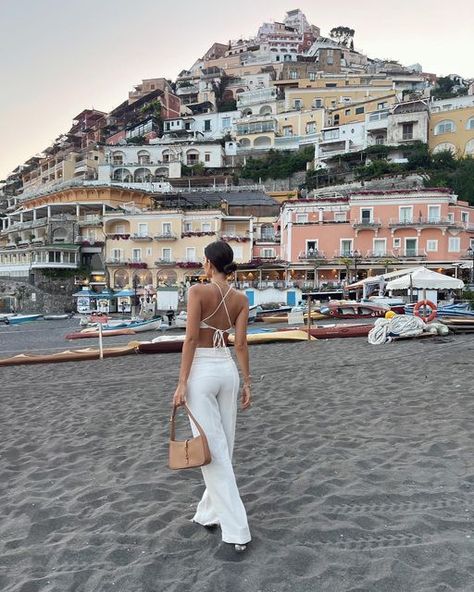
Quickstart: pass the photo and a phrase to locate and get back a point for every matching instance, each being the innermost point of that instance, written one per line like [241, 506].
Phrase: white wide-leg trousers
[212, 393]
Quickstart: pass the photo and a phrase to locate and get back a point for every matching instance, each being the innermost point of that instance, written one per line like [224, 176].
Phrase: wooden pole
[309, 318]
[101, 348]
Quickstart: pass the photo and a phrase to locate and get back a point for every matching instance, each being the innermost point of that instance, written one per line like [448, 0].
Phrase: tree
[343, 35]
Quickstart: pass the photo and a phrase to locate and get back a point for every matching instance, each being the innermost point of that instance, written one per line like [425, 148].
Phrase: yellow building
[290, 130]
[166, 247]
[452, 129]
[356, 111]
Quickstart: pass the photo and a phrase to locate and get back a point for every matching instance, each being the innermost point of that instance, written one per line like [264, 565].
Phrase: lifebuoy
[425, 303]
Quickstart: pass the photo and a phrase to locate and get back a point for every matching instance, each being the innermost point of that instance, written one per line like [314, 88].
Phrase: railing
[311, 255]
[422, 221]
[141, 237]
[165, 236]
[165, 262]
[89, 220]
[115, 261]
[362, 222]
[411, 254]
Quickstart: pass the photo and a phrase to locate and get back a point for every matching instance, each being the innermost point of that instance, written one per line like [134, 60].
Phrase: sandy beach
[355, 463]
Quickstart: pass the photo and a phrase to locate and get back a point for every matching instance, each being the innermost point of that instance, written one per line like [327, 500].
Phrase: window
[149, 252]
[347, 111]
[143, 230]
[288, 130]
[312, 246]
[340, 216]
[366, 215]
[330, 57]
[293, 74]
[444, 127]
[380, 140]
[311, 127]
[411, 247]
[434, 213]
[188, 227]
[166, 228]
[451, 217]
[346, 100]
[238, 252]
[301, 218]
[470, 124]
[346, 247]
[407, 131]
[117, 158]
[465, 217]
[431, 246]
[230, 229]
[166, 254]
[207, 125]
[331, 85]
[117, 255]
[359, 110]
[396, 243]
[298, 104]
[136, 255]
[206, 227]
[405, 214]
[318, 103]
[190, 254]
[226, 124]
[454, 244]
[267, 253]
[380, 247]
[312, 76]
[207, 157]
[336, 119]
[187, 125]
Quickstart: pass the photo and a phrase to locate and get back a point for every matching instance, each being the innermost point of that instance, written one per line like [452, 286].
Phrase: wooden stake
[309, 318]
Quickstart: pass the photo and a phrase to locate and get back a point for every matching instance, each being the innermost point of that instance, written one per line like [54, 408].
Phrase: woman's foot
[240, 548]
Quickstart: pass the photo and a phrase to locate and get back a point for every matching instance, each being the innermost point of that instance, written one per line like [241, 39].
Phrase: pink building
[369, 232]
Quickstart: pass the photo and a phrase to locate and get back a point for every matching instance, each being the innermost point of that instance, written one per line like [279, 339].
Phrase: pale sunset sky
[58, 58]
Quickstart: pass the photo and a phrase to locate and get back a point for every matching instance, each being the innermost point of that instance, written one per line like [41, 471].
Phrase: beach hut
[425, 283]
[85, 300]
[106, 301]
[124, 300]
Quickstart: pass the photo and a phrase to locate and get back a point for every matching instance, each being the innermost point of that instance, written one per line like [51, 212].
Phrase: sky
[58, 58]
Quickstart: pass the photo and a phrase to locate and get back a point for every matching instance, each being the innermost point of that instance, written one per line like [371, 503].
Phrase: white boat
[180, 320]
[153, 325]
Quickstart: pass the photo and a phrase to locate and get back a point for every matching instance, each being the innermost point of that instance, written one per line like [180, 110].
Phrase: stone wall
[50, 296]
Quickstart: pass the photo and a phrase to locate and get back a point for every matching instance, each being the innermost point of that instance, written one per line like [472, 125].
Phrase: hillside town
[317, 163]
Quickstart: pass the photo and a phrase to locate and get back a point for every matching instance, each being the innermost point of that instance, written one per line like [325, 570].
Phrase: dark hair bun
[230, 267]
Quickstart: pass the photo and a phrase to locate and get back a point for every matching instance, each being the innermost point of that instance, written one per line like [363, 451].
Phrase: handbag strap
[173, 423]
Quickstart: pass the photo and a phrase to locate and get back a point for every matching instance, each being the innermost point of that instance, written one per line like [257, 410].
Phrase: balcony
[311, 255]
[89, 221]
[421, 221]
[255, 97]
[415, 254]
[268, 238]
[115, 261]
[141, 237]
[164, 262]
[380, 255]
[165, 236]
[364, 223]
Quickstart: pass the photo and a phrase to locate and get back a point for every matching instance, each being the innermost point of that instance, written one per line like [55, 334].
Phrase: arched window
[143, 157]
[262, 142]
[247, 112]
[192, 157]
[444, 147]
[245, 143]
[121, 278]
[59, 235]
[265, 110]
[118, 158]
[470, 148]
[444, 127]
[470, 124]
[122, 175]
[143, 176]
[379, 140]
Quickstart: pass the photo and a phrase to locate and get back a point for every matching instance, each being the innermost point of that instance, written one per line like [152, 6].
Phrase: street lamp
[470, 252]
[356, 256]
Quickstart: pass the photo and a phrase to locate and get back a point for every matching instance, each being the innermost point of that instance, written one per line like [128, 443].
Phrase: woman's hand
[245, 397]
[179, 397]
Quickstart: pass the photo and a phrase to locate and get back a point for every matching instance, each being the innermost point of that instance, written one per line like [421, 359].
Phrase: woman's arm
[190, 343]
[242, 352]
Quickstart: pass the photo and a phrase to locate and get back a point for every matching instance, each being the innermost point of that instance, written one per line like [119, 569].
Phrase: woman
[209, 384]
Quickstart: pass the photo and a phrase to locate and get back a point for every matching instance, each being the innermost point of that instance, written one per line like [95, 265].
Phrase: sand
[355, 463]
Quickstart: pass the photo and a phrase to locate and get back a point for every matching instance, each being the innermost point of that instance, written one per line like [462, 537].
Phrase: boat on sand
[70, 355]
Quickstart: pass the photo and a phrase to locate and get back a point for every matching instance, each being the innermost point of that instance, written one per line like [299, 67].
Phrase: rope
[399, 326]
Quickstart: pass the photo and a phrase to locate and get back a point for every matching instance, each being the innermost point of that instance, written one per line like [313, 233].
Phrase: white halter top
[218, 338]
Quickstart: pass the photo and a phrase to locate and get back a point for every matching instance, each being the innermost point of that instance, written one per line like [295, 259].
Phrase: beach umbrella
[425, 279]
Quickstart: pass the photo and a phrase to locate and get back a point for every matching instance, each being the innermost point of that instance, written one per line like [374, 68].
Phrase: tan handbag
[187, 454]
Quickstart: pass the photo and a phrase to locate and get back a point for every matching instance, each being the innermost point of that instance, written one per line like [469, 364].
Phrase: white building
[205, 126]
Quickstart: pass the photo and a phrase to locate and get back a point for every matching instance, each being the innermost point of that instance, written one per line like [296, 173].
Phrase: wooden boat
[161, 345]
[20, 319]
[315, 316]
[353, 310]
[274, 336]
[338, 331]
[90, 334]
[459, 325]
[265, 312]
[70, 355]
[53, 317]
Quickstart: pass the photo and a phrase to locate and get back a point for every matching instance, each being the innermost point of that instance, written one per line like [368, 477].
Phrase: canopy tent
[125, 293]
[377, 279]
[425, 279]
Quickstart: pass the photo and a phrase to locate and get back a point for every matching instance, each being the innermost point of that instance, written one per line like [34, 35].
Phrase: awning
[425, 279]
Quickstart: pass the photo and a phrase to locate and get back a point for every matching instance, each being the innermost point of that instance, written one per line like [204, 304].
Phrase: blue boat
[19, 319]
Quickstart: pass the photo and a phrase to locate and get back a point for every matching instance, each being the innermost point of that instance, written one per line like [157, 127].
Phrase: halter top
[218, 338]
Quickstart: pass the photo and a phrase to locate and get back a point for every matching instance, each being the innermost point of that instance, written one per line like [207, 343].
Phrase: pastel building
[329, 239]
[452, 126]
